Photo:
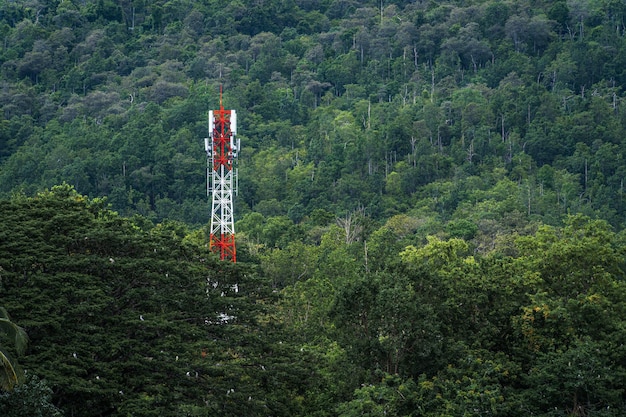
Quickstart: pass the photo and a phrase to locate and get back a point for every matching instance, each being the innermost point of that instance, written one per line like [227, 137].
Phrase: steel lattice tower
[221, 148]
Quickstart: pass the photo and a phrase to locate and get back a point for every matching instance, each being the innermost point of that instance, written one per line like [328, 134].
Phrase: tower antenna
[221, 149]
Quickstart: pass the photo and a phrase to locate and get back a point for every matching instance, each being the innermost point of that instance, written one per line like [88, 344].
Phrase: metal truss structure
[221, 149]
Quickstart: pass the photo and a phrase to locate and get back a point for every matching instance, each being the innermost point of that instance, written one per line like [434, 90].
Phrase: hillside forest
[430, 213]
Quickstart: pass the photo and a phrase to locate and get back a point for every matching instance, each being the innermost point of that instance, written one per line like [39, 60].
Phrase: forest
[431, 215]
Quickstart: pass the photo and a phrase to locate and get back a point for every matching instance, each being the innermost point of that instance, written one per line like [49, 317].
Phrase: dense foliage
[32, 398]
[389, 106]
[129, 319]
[430, 210]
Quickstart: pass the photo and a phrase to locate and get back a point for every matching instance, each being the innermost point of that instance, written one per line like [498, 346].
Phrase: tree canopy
[430, 217]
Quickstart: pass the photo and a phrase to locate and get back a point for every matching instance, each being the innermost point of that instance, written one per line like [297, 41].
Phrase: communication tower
[221, 150]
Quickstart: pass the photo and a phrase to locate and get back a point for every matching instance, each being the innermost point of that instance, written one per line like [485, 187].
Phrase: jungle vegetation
[430, 217]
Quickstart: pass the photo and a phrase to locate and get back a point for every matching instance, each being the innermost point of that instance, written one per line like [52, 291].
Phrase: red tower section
[221, 148]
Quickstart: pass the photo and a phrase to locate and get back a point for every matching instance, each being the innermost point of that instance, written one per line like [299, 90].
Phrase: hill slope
[387, 106]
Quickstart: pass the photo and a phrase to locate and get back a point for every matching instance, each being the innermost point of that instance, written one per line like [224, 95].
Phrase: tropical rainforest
[430, 217]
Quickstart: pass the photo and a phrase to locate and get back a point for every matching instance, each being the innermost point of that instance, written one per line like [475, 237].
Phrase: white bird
[141, 317]
[74, 355]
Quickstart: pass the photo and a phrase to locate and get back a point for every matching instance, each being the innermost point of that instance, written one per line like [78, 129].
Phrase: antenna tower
[221, 150]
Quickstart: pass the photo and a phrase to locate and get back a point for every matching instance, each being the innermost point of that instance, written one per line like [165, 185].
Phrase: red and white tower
[221, 149]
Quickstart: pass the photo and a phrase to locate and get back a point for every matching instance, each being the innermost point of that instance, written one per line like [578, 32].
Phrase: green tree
[32, 398]
[184, 331]
[571, 321]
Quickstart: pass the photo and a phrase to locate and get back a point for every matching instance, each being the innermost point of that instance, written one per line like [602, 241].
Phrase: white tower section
[221, 148]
